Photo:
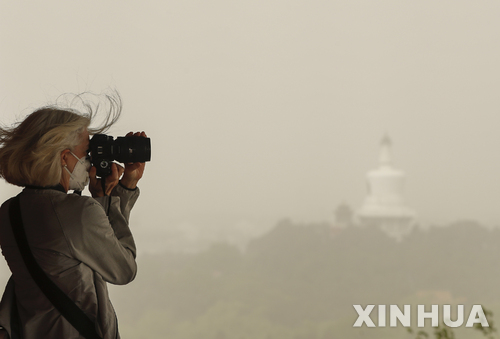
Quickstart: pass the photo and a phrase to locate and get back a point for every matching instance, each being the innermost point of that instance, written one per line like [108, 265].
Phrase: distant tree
[444, 332]
[487, 331]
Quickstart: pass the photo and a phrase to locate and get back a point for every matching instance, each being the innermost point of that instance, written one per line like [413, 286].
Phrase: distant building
[384, 205]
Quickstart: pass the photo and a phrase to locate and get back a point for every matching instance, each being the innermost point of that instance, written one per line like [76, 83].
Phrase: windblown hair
[30, 150]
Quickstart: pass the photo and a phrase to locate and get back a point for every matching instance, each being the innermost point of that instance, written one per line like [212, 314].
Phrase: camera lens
[132, 149]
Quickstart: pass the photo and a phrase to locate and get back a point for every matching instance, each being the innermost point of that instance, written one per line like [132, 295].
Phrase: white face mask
[80, 176]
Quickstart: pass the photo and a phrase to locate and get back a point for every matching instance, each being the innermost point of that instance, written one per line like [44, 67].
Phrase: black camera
[103, 150]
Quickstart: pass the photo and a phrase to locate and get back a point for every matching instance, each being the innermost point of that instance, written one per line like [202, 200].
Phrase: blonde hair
[30, 150]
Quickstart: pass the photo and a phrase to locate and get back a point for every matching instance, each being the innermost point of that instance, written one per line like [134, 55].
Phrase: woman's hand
[133, 171]
[95, 186]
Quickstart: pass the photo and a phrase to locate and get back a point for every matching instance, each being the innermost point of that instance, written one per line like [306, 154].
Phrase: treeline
[300, 281]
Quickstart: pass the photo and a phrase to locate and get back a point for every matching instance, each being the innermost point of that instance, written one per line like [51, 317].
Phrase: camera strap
[103, 185]
[73, 314]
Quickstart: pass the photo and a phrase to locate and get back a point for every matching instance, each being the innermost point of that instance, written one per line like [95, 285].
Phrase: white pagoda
[384, 205]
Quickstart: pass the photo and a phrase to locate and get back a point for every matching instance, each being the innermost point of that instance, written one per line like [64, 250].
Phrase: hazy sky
[260, 110]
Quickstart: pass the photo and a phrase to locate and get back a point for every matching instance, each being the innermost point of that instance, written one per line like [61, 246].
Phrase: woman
[80, 242]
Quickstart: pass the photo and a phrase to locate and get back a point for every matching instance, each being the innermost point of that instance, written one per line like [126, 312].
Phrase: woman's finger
[120, 170]
[114, 172]
[92, 175]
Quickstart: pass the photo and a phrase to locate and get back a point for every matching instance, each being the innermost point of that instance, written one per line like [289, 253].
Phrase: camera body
[104, 150]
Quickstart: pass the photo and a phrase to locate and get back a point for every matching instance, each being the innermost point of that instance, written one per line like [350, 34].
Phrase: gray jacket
[79, 247]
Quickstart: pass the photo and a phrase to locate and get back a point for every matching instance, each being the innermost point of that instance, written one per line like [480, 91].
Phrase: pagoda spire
[385, 156]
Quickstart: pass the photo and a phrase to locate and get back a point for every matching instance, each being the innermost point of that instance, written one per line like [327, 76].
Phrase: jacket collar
[57, 187]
